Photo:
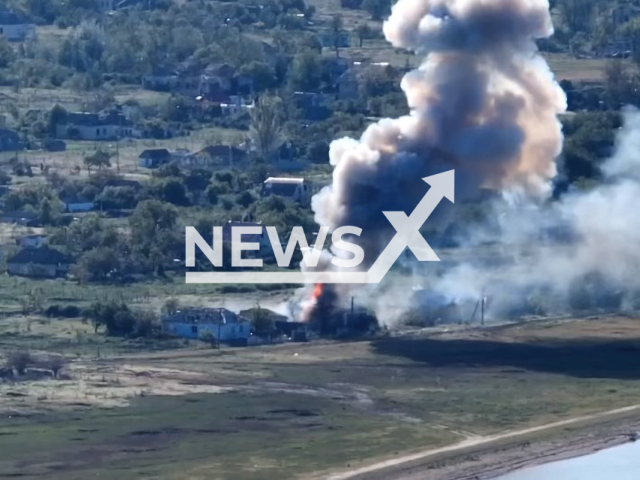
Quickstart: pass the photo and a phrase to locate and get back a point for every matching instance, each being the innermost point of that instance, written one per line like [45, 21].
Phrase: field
[302, 410]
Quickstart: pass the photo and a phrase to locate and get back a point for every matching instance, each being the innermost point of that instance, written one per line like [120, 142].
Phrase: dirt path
[407, 466]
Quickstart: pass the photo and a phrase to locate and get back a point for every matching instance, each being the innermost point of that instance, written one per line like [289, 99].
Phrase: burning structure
[485, 103]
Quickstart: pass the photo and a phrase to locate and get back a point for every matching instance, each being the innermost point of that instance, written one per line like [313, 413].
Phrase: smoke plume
[483, 102]
[596, 265]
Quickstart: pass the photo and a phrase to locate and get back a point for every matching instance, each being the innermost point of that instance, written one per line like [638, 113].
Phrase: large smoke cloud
[483, 102]
[600, 259]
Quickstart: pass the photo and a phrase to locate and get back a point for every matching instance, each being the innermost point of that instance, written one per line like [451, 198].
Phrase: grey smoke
[483, 102]
[604, 243]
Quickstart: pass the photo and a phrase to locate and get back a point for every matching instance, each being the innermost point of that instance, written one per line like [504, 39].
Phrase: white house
[224, 325]
[295, 189]
[77, 205]
[155, 157]
[213, 155]
[15, 27]
[92, 126]
[32, 241]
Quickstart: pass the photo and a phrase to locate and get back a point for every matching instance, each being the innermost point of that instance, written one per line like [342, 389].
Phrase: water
[618, 463]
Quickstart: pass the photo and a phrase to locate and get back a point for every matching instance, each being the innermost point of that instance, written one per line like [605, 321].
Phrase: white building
[224, 325]
[92, 126]
[15, 27]
[32, 241]
[78, 206]
[295, 189]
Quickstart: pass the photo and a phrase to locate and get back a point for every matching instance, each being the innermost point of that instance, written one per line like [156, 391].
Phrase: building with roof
[42, 262]
[294, 189]
[26, 218]
[16, 27]
[214, 155]
[154, 158]
[95, 126]
[10, 141]
[196, 323]
[32, 241]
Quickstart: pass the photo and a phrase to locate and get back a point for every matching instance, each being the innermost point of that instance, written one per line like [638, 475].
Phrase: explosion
[483, 102]
[310, 303]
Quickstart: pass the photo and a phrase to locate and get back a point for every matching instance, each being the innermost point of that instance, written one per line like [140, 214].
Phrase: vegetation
[236, 94]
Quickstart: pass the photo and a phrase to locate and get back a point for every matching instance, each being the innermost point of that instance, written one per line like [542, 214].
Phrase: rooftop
[41, 256]
[296, 181]
[13, 18]
[156, 154]
[204, 315]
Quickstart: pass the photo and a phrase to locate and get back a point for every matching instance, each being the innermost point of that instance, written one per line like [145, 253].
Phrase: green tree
[7, 56]
[306, 72]
[245, 198]
[364, 32]
[55, 116]
[174, 191]
[337, 33]
[263, 75]
[266, 128]
[262, 323]
[576, 14]
[98, 264]
[378, 9]
[98, 159]
[150, 220]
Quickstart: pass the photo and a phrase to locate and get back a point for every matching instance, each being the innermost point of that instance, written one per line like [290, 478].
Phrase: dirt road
[495, 455]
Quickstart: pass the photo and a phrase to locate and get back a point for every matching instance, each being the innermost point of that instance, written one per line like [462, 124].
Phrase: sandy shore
[486, 458]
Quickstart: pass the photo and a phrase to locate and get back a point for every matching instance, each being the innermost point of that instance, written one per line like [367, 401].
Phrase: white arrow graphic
[408, 228]
[408, 235]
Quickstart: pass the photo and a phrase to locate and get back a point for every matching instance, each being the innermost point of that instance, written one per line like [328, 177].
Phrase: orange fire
[309, 305]
[317, 291]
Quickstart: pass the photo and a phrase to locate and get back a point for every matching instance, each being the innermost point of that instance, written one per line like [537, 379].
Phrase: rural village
[123, 122]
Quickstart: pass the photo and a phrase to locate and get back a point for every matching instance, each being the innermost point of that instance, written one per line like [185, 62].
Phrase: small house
[24, 218]
[15, 27]
[294, 189]
[312, 105]
[31, 241]
[347, 86]
[216, 79]
[77, 204]
[197, 323]
[54, 145]
[94, 126]
[214, 155]
[38, 262]
[329, 39]
[10, 141]
[296, 331]
[154, 158]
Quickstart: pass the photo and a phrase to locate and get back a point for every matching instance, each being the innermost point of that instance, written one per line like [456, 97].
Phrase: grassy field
[298, 410]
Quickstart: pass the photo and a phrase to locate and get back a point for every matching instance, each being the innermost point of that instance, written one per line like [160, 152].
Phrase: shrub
[55, 364]
[63, 311]
[19, 360]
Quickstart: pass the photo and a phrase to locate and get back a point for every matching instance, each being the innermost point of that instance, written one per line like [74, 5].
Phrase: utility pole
[482, 310]
[118, 144]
